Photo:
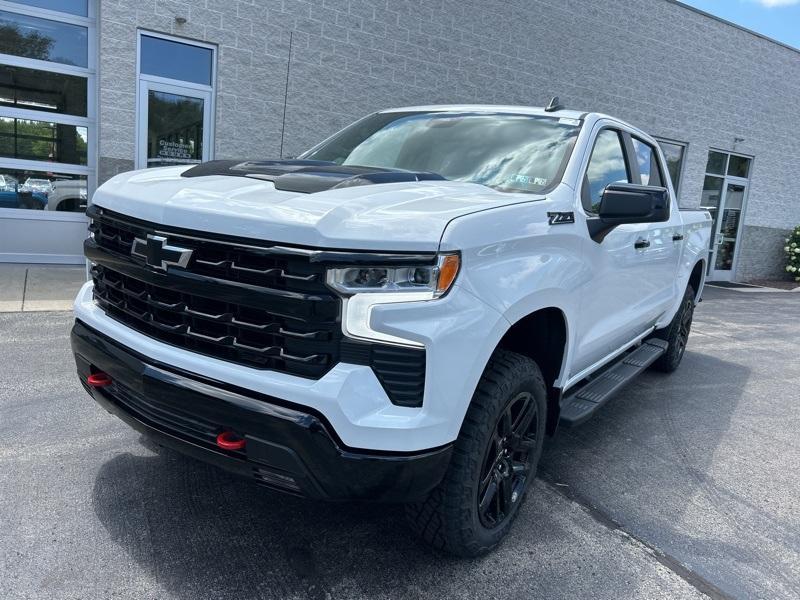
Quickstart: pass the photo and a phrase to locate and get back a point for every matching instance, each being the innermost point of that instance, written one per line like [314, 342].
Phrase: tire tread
[444, 518]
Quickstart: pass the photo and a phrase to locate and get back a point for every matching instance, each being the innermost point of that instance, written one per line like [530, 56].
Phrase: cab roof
[493, 108]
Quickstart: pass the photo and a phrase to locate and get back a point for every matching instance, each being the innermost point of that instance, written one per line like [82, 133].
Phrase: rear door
[632, 269]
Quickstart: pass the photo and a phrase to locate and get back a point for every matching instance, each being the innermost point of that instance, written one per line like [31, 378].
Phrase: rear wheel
[494, 461]
[676, 334]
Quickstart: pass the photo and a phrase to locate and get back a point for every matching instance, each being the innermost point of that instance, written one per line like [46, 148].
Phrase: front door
[174, 127]
[725, 197]
[633, 267]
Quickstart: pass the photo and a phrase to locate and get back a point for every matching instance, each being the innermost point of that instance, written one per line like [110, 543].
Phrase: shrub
[792, 249]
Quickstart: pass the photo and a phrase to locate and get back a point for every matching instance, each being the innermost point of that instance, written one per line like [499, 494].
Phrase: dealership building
[91, 88]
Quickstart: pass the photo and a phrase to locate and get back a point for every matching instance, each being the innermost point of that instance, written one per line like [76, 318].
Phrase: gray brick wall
[762, 255]
[675, 73]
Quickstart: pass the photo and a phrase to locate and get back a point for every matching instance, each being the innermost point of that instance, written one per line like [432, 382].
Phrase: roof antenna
[554, 105]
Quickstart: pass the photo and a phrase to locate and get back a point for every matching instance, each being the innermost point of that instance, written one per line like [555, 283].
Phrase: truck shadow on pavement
[201, 532]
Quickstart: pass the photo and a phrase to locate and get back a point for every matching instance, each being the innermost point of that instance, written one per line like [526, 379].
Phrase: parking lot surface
[685, 485]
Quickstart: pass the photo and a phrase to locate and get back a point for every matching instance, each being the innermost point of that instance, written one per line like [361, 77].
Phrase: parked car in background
[14, 195]
[42, 186]
[8, 183]
[404, 313]
[68, 195]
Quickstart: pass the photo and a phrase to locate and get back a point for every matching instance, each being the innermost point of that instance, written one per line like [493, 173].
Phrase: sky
[778, 19]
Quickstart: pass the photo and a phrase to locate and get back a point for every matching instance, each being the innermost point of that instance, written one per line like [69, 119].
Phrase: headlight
[436, 278]
[365, 287]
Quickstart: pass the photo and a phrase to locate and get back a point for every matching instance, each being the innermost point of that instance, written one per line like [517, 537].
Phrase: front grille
[245, 335]
[254, 306]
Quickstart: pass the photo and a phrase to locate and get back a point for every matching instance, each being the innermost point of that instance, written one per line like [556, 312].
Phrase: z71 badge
[560, 218]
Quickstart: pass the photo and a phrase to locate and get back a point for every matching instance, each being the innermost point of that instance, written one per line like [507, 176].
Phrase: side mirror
[623, 203]
[628, 203]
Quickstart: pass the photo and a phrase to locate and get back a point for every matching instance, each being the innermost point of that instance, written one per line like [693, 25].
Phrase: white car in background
[42, 186]
[8, 183]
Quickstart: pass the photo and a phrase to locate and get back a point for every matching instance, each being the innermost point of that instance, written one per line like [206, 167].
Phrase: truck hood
[392, 216]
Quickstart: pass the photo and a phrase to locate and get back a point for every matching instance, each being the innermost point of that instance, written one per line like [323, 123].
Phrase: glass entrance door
[727, 232]
[175, 124]
[725, 196]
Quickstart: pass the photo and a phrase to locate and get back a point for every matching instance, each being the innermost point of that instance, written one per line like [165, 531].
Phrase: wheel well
[697, 276]
[541, 336]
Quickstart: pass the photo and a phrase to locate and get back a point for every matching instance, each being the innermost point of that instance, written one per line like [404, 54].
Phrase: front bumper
[288, 447]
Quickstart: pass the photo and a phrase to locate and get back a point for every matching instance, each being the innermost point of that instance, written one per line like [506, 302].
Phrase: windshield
[508, 152]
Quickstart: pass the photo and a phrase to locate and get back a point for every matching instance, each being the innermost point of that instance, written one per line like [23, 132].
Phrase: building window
[675, 153]
[175, 101]
[79, 8]
[44, 39]
[176, 60]
[47, 106]
[44, 91]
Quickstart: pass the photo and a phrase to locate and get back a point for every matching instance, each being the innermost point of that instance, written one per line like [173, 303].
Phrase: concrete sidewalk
[39, 287]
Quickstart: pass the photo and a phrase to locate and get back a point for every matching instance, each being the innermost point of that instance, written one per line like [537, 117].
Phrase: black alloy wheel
[506, 464]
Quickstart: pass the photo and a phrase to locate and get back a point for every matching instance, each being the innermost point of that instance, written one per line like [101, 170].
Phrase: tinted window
[174, 129]
[175, 60]
[607, 165]
[41, 90]
[32, 37]
[42, 140]
[73, 7]
[716, 163]
[647, 159]
[739, 166]
[673, 153]
[504, 151]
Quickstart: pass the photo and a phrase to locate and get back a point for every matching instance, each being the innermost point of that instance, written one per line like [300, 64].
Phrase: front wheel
[676, 334]
[494, 461]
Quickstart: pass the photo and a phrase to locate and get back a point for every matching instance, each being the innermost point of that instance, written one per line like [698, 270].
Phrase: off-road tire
[676, 334]
[449, 518]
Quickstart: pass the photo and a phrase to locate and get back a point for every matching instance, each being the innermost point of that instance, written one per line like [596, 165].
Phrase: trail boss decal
[560, 218]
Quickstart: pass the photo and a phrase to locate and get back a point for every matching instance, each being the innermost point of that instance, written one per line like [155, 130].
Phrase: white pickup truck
[403, 313]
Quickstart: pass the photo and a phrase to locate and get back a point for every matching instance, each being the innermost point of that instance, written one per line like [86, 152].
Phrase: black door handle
[677, 237]
[641, 244]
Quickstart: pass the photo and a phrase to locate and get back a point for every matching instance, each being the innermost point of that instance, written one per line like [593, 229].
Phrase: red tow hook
[227, 440]
[99, 380]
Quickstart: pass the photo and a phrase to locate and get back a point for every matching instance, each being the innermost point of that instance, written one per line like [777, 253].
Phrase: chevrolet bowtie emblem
[158, 254]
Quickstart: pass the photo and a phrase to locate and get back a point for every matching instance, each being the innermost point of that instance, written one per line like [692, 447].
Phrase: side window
[647, 159]
[607, 165]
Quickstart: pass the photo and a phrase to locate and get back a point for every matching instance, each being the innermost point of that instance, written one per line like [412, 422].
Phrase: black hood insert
[307, 176]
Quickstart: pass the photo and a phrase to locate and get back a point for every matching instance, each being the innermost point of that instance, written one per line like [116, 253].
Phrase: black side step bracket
[582, 403]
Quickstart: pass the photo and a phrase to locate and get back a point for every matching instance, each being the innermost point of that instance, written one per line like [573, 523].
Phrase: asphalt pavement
[685, 485]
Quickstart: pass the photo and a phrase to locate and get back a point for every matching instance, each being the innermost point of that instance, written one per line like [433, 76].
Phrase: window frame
[89, 121]
[189, 86]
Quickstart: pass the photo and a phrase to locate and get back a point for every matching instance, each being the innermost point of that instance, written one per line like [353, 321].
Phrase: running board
[582, 403]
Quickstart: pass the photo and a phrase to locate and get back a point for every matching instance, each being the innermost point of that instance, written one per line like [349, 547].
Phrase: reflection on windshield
[504, 151]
